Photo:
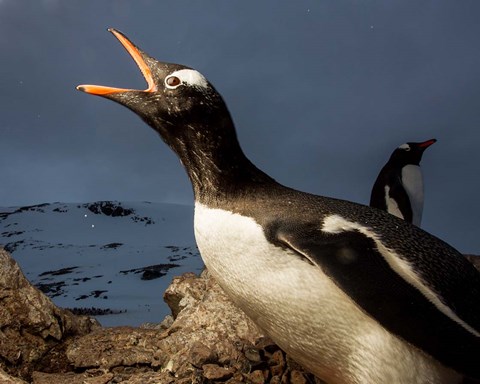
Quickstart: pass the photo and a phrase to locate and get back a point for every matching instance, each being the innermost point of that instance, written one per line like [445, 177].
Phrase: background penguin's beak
[427, 143]
[139, 58]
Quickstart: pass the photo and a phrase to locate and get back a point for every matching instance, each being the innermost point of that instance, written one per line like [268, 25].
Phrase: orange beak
[101, 90]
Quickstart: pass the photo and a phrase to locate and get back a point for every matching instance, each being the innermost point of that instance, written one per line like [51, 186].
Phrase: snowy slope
[113, 256]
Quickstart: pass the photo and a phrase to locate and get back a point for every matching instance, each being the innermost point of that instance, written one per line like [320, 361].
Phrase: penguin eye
[172, 82]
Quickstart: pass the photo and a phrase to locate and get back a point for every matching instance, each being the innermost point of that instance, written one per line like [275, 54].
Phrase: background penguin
[352, 293]
[399, 185]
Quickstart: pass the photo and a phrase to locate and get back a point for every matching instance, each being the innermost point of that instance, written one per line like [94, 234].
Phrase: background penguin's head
[410, 153]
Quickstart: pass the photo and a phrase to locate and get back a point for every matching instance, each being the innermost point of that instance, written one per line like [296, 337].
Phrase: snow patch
[117, 257]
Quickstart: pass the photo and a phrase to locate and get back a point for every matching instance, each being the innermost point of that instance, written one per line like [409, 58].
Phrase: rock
[297, 377]
[253, 355]
[205, 340]
[256, 377]
[276, 380]
[109, 208]
[277, 363]
[32, 327]
[207, 316]
[111, 347]
[200, 355]
[209, 340]
[89, 377]
[5, 378]
[184, 291]
[215, 372]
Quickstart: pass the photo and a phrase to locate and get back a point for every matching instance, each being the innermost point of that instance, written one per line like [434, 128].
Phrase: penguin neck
[216, 165]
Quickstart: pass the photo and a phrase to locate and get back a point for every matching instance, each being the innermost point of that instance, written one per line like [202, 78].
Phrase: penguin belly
[303, 311]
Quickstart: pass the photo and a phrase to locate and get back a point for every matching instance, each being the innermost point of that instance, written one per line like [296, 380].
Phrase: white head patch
[188, 77]
[405, 147]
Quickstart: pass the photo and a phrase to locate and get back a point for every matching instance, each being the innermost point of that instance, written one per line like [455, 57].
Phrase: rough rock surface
[5, 378]
[206, 340]
[33, 331]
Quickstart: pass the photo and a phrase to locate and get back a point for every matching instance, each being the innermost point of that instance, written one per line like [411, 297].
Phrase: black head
[177, 96]
[190, 116]
[410, 153]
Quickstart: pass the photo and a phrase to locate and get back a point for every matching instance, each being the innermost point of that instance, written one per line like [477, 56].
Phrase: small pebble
[253, 355]
[215, 372]
[256, 377]
[297, 377]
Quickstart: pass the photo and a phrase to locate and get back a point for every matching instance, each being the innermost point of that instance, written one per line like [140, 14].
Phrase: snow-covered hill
[117, 257]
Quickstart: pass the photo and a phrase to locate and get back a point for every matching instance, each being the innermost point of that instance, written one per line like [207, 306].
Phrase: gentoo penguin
[352, 293]
[399, 185]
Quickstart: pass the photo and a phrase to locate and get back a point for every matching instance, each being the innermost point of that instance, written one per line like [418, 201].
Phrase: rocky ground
[205, 340]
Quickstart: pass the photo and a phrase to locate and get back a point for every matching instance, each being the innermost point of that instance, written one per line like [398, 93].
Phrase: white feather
[392, 206]
[189, 77]
[337, 224]
[303, 310]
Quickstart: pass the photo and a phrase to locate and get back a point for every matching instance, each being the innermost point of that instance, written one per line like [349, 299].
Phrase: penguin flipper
[398, 195]
[362, 267]
[377, 195]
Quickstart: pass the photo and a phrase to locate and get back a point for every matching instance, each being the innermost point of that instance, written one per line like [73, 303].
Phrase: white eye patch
[186, 77]
[406, 147]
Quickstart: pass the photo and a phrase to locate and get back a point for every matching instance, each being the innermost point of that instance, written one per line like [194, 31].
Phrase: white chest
[412, 180]
[253, 271]
[300, 307]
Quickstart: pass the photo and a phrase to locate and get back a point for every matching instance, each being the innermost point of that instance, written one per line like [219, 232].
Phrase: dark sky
[321, 92]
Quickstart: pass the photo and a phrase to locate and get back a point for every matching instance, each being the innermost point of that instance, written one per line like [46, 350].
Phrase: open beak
[136, 54]
[427, 143]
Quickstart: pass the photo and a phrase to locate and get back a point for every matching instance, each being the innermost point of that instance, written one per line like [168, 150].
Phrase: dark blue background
[321, 92]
